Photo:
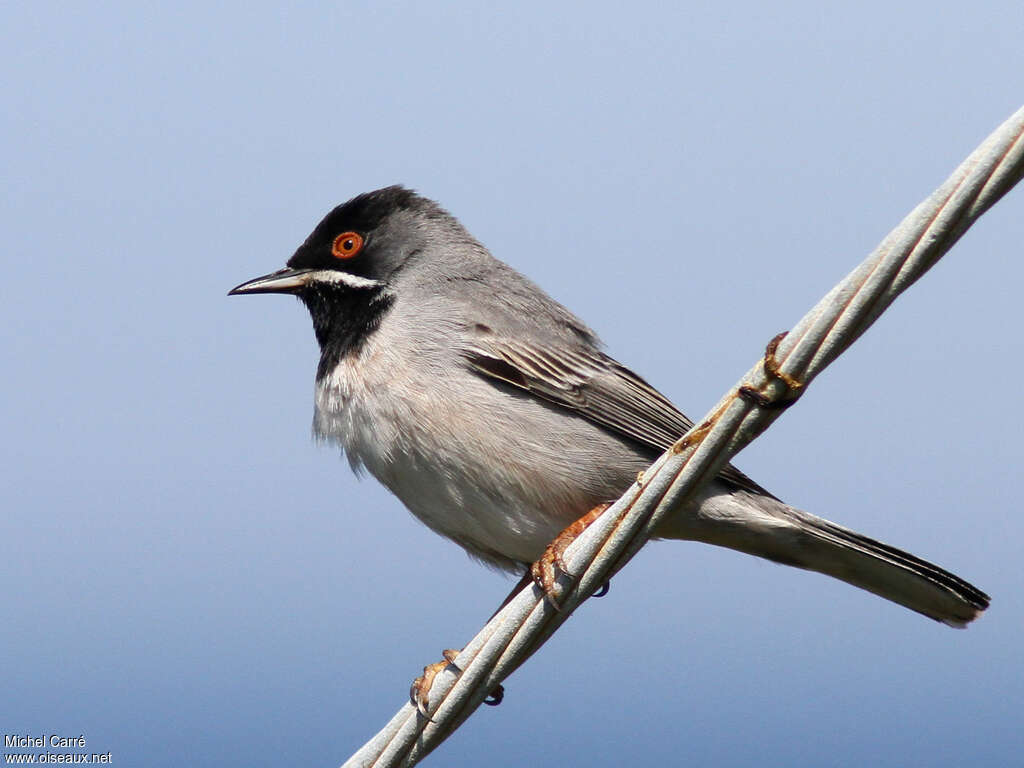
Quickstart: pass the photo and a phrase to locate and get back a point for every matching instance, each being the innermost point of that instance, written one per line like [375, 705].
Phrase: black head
[343, 269]
[358, 245]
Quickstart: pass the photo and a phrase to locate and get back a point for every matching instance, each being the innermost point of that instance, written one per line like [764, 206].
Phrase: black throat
[343, 318]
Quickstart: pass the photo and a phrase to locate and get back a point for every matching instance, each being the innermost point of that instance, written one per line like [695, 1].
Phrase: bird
[496, 417]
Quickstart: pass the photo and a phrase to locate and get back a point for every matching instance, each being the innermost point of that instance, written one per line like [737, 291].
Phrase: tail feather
[967, 600]
[765, 527]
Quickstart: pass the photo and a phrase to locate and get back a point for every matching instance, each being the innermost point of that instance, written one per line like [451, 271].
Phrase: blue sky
[189, 578]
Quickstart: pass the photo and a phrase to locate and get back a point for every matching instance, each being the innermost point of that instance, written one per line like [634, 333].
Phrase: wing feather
[593, 385]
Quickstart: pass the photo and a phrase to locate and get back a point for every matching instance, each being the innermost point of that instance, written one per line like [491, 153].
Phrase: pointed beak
[285, 280]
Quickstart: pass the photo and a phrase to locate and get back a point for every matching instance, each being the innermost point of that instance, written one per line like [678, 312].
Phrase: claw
[419, 691]
[496, 696]
[544, 570]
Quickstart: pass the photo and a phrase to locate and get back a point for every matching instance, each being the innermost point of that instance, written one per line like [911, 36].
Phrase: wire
[791, 362]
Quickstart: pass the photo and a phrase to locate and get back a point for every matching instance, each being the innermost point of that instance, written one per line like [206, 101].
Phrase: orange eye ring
[346, 245]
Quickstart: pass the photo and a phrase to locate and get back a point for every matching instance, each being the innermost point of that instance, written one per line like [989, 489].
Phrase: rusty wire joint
[773, 372]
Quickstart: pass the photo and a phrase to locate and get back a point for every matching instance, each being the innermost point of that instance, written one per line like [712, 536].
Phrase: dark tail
[765, 527]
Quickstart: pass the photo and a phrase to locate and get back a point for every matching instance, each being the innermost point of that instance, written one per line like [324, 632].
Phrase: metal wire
[523, 625]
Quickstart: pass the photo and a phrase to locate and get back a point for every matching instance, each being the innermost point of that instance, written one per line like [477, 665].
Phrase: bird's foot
[419, 691]
[545, 570]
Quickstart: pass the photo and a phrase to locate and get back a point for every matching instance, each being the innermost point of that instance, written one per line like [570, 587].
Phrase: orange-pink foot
[419, 691]
[544, 570]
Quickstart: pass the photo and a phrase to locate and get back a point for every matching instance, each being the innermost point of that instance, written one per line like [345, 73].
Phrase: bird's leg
[526, 579]
[419, 691]
[543, 571]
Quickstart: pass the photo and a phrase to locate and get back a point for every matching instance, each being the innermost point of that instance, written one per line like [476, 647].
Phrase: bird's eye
[346, 245]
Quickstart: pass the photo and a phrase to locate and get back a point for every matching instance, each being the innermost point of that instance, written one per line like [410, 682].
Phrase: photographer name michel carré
[40, 742]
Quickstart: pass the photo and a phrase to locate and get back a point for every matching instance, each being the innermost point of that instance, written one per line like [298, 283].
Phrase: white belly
[487, 468]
